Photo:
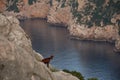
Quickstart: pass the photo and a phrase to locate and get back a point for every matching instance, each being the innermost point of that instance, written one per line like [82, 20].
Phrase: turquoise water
[92, 59]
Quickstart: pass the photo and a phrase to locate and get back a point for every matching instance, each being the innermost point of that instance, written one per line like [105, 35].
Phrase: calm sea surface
[92, 59]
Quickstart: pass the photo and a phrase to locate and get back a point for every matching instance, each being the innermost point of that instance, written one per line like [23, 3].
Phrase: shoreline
[77, 37]
[92, 40]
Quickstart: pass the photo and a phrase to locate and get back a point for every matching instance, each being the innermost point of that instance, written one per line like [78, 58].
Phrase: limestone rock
[59, 15]
[39, 9]
[82, 3]
[106, 33]
[4, 26]
[38, 56]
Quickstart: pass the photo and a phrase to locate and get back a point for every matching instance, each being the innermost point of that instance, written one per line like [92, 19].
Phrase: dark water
[92, 59]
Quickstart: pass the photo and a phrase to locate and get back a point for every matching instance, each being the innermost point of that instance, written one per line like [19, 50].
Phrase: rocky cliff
[39, 9]
[88, 19]
[85, 19]
[18, 61]
[59, 15]
[107, 33]
[26, 8]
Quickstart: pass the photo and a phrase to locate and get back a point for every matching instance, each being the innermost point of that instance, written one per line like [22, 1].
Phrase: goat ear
[52, 55]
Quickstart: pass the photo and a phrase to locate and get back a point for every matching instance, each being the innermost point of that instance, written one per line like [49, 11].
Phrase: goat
[47, 60]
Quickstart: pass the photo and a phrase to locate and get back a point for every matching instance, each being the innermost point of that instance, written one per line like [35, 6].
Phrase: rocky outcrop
[58, 14]
[36, 10]
[18, 61]
[107, 33]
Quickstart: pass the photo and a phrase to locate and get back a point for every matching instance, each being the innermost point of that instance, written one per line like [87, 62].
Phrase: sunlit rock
[107, 33]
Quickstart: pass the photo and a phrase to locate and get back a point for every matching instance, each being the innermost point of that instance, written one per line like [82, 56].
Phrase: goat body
[47, 60]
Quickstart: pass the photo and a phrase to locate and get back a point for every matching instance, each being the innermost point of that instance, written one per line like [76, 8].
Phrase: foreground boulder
[18, 61]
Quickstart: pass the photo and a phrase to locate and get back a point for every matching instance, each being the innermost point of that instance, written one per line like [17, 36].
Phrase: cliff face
[18, 61]
[35, 10]
[107, 33]
[86, 19]
[28, 8]
[58, 14]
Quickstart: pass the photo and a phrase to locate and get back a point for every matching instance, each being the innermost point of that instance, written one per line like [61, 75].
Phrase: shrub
[78, 75]
[12, 5]
[31, 1]
[92, 79]
[58, 0]
[63, 3]
[75, 73]
[100, 13]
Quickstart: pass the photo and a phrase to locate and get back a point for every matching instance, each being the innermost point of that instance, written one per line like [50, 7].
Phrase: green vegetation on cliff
[12, 5]
[75, 73]
[95, 12]
[31, 1]
[63, 2]
[78, 75]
